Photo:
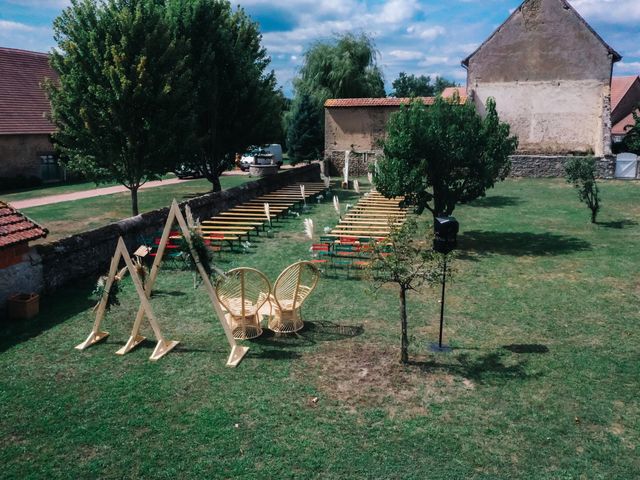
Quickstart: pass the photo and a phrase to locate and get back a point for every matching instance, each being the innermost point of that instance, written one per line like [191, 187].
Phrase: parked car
[260, 156]
[187, 171]
[276, 150]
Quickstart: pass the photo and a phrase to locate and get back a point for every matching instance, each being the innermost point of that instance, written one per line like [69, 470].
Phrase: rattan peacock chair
[291, 289]
[242, 292]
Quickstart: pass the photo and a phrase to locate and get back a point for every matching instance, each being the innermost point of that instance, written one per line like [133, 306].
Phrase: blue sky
[416, 36]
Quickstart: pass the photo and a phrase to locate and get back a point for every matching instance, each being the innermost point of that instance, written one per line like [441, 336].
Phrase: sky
[422, 37]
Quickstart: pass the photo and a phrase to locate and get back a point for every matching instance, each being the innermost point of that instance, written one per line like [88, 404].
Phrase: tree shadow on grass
[526, 348]
[618, 224]
[54, 309]
[486, 368]
[520, 243]
[497, 201]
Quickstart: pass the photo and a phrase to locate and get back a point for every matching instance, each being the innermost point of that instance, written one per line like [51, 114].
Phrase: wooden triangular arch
[237, 351]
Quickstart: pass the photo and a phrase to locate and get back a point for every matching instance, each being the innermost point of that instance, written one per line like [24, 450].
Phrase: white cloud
[8, 27]
[405, 55]
[426, 32]
[631, 67]
[624, 12]
[41, 3]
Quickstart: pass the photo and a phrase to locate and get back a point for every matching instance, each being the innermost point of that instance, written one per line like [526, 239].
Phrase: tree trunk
[134, 201]
[404, 348]
[216, 186]
[594, 212]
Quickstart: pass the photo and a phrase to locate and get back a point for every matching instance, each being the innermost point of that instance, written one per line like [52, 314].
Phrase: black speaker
[446, 234]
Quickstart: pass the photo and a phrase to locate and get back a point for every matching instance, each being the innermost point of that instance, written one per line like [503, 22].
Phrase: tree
[121, 103]
[235, 100]
[632, 138]
[441, 83]
[411, 86]
[344, 67]
[407, 263]
[303, 135]
[444, 154]
[581, 173]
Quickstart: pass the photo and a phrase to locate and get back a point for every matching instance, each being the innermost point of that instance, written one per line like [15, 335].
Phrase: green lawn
[67, 218]
[542, 382]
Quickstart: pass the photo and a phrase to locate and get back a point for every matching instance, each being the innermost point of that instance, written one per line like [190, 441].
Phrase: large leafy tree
[412, 86]
[441, 155]
[343, 67]
[235, 99]
[121, 102]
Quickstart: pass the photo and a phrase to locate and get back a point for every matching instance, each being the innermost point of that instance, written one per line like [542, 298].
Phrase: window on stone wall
[50, 168]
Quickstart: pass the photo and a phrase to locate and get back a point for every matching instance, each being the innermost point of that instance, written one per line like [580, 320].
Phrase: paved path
[95, 192]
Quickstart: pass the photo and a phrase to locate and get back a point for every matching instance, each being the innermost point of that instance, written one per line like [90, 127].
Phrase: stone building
[25, 131]
[550, 74]
[625, 99]
[17, 274]
[357, 125]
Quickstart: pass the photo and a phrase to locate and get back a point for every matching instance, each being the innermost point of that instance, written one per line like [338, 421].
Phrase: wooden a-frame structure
[145, 309]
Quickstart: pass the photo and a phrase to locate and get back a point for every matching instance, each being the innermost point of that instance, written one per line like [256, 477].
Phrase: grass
[542, 382]
[46, 190]
[66, 218]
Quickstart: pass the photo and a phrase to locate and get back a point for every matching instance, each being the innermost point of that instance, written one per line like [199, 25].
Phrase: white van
[276, 150]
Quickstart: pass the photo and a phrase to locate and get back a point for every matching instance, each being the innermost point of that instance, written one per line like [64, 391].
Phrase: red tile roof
[377, 102]
[16, 228]
[620, 128]
[619, 88]
[23, 102]
[449, 91]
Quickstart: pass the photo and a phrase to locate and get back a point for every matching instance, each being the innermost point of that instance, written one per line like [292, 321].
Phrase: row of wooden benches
[248, 217]
[372, 217]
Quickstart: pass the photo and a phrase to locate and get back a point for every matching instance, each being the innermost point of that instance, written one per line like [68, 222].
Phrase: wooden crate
[23, 306]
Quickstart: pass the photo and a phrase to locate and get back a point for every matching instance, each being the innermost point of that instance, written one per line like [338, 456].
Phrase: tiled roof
[373, 102]
[377, 102]
[619, 87]
[620, 127]
[23, 102]
[450, 91]
[16, 228]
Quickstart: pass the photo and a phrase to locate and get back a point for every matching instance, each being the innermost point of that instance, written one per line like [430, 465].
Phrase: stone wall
[358, 162]
[541, 166]
[550, 77]
[20, 154]
[85, 255]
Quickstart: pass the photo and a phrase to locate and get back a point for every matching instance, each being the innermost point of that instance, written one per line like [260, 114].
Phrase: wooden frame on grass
[163, 346]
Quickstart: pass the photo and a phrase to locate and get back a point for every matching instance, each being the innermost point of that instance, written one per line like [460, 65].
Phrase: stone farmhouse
[625, 98]
[551, 76]
[25, 131]
[356, 125]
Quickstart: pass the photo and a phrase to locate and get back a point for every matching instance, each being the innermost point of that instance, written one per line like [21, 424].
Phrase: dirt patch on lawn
[364, 376]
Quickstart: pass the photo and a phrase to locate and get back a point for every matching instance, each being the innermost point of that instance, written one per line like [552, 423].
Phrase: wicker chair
[242, 293]
[291, 289]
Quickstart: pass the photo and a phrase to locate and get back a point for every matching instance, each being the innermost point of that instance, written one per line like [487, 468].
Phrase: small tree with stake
[581, 172]
[408, 263]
